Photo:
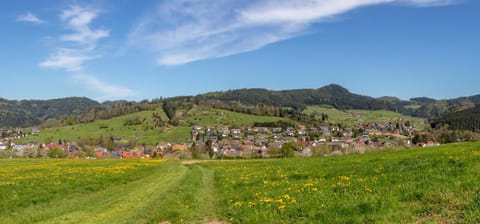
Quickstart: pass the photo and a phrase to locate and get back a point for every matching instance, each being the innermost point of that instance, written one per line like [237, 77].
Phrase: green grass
[435, 185]
[413, 106]
[111, 127]
[104, 191]
[145, 132]
[351, 118]
[217, 117]
[432, 185]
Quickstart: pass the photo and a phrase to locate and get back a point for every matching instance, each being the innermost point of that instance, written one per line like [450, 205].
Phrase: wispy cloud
[71, 60]
[78, 19]
[108, 91]
[430, 3]
[78, 47]
[31, 18]
[185, 31]
[84, 39]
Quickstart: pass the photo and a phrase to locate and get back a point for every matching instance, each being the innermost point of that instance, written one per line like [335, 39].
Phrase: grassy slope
[353, 117]
[113, 127]
[146, 133]
[434, 185]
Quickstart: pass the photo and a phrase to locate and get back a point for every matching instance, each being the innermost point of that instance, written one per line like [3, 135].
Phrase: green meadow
[350, 118]
[428, 185]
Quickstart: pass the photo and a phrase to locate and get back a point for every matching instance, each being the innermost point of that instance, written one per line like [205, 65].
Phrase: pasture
[430, 185]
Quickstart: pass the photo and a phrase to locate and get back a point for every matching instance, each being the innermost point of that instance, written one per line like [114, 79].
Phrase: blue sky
[134, 50]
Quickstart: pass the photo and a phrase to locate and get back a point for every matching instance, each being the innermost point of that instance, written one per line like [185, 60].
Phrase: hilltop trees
[170, 109]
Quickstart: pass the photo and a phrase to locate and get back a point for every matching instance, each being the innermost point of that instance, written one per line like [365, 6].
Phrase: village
[227, 142]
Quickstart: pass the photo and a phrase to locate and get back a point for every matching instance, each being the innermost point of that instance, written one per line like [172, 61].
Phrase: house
[210, 131]
[115, 155]
[347, 132]
[163, 146]
[33, 145]
[264, 130]
[179, 147]
[19, 147]
[225, 133]
[195, 134]
[247, 142]
[263, 151]
[100, 152]
[127, 154]
[197, 127]
[212, 138]
[261, 141]
[236, 133]
[290, 131]
[35, 131]
[277, 144]
[277, 130]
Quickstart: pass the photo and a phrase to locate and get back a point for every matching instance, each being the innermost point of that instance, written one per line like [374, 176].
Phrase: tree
[170, 108]
[419, 138]
[288, 149]
[56, 153]
[106, 142]
[210, 152]
[89, 151]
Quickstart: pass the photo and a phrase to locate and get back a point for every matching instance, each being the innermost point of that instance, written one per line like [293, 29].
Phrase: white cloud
[78, 19]
[82, 48]
[31, 18]
[68, 59]
[108, 91]
[185, 31]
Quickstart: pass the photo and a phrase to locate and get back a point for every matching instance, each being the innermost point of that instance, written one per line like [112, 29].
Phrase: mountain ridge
[24, 113]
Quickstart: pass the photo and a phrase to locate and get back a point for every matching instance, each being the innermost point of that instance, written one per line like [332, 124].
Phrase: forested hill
[440, 108]
[333, 95]
[468, 119]
[26, 113]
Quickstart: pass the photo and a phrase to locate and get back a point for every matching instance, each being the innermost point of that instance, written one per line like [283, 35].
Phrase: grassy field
[432, 185]
[103, 191]
[145, 132]
[351, 118]
[436, 185]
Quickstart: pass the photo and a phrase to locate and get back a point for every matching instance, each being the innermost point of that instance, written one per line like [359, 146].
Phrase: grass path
[173, 193]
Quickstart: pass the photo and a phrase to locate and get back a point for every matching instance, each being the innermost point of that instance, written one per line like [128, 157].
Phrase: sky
[135, 50]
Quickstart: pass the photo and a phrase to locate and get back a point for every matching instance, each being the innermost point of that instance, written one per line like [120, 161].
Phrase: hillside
[439, 108]
[139, 128]
[468, 119]
[351, 118]
[333, 95]
[27, 113]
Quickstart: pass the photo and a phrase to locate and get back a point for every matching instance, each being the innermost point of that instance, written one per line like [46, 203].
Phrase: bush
[56, 153]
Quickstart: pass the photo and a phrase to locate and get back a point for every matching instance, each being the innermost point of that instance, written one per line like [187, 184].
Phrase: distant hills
[332, 95]
[26, 113]
[468, 119]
